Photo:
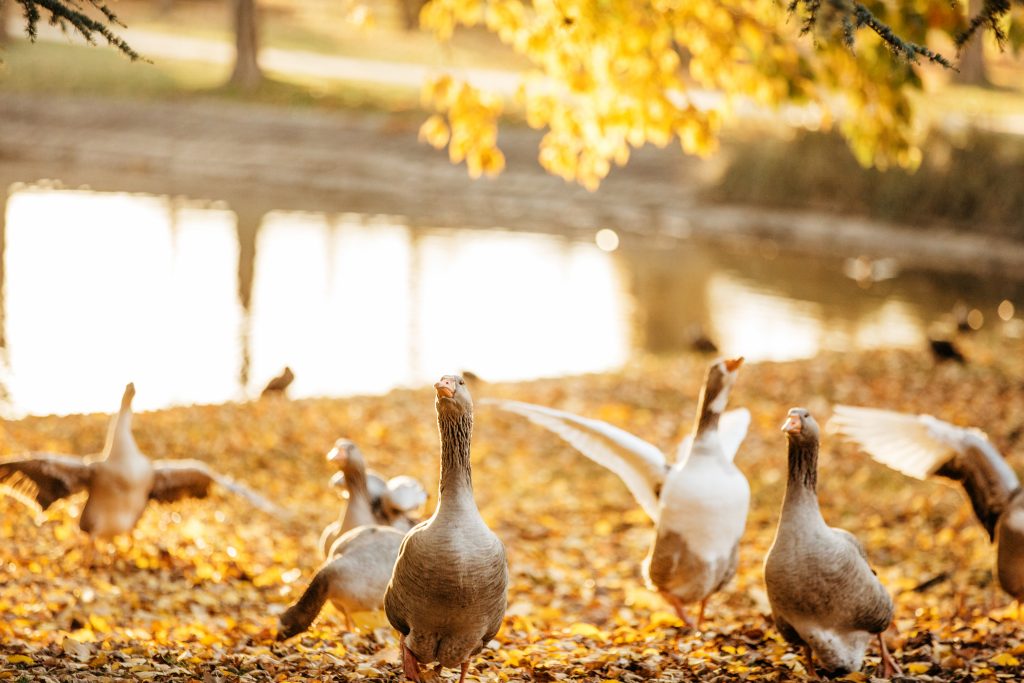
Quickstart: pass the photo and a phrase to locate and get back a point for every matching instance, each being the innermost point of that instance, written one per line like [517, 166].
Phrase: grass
[57, 68]
[322, 26]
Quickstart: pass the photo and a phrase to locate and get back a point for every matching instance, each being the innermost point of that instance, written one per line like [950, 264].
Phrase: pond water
[198, 305]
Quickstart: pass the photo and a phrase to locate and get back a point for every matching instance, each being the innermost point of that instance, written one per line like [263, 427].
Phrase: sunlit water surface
[105, 288]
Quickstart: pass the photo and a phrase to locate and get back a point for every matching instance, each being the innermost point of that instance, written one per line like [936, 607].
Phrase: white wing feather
[915, 445]
[640, 465]
[404, 493]
[732, 429]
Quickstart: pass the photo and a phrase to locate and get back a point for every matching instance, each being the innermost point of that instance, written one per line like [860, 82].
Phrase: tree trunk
[971, 69]
[5, 15]
[247, 74]
[411, 13]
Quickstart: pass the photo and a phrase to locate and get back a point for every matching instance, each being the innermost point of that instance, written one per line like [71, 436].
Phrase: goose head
[800, 426]
[453, 397]
[345, 455]
[720, 377]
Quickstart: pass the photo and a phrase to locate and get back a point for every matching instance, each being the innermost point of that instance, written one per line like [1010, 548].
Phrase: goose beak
[337, 455]
[734, 364]
[792, 425]
[445, 388]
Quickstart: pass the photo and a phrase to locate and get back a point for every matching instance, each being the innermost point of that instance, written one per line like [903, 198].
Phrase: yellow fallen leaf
[20, 659]
[918, 667]
[1005, 659]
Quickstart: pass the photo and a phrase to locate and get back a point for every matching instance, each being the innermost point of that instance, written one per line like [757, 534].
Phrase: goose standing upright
[823, 593]
[922, 446]
[371, 500]
[121, 480]
[448, 592]
[699, 504]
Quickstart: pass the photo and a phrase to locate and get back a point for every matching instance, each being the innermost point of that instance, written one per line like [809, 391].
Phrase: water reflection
[107, 287]
[201, 303]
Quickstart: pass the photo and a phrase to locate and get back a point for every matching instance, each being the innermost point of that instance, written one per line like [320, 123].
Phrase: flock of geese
[443, 582]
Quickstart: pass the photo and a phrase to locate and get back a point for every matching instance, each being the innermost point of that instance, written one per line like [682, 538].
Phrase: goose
[121, 480]
[278, 385]
[922, 446]
[699, 505]
[449, 589]
[353, 578]
[823, 593]
[371, 500]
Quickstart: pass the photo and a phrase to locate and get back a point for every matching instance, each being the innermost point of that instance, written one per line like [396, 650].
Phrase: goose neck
[456, 480]
[802, 482]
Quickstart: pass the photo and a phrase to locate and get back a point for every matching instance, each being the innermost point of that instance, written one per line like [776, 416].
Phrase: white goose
[699, 504]
[922, 446]
[121, 480]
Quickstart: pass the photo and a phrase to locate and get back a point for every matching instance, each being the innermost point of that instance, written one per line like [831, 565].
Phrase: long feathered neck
[709, 408]
[456, 484]
[802, 484]
[120, 445]
[359, 510]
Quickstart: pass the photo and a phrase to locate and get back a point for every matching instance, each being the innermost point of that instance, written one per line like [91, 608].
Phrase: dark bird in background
[944, 349]
[279, 383]
[698, 340]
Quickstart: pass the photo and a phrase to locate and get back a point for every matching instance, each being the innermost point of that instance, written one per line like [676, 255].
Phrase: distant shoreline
[270, 158]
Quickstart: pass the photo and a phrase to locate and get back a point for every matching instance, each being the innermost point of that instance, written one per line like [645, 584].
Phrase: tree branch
[70, 14]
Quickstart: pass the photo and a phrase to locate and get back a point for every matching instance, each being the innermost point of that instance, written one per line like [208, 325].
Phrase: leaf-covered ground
[197, 594]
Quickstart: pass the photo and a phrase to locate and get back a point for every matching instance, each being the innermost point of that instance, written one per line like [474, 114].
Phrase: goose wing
[52, 476]
[640, 465]
[404, 494]
[921, 446]
[732, 429]
[177, 479]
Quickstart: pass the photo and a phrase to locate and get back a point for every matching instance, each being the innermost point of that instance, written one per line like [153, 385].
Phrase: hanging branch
[71, 14]
[991, 12]
[854, 15]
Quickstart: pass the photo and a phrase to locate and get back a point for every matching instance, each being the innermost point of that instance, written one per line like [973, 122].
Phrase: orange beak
[445, 388]
[792, 425]
[733, 364]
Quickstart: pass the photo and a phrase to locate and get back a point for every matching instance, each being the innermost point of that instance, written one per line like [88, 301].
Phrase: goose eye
[462, 381]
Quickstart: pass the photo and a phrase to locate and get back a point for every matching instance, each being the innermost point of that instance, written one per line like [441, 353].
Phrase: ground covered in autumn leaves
[197, 594]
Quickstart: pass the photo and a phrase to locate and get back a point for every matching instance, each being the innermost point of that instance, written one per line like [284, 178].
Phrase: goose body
[699, 505]
[353, 578]
[823, 593]
[448, 592]
[922, 446]
[371, 500]
[121, 481]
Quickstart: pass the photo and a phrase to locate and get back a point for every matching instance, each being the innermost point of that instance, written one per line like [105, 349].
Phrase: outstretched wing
[53, 476]
[921, 446]
[404, 494]
[640, 465]
[732, 429]
[177, 479]
[916, 445]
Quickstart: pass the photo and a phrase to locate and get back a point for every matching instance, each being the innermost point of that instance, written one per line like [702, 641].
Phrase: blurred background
[198, 222]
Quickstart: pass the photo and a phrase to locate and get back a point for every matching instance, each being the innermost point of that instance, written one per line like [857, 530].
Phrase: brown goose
[371, 500]
[448, 593]
[353, 578]
[699, 504]
[120, 481]
[823, 593]
[922, 446]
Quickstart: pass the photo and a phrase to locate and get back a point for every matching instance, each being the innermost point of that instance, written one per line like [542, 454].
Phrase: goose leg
[462, 676]
[410, 666]
[700, 614]
[680, 609]
[812, 673]
[889, 665]
[348, 620]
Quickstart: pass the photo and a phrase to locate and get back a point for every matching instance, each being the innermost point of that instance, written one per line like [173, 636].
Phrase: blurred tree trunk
[971, 69]
[5, 15]
[411, 13]
[247, 74]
